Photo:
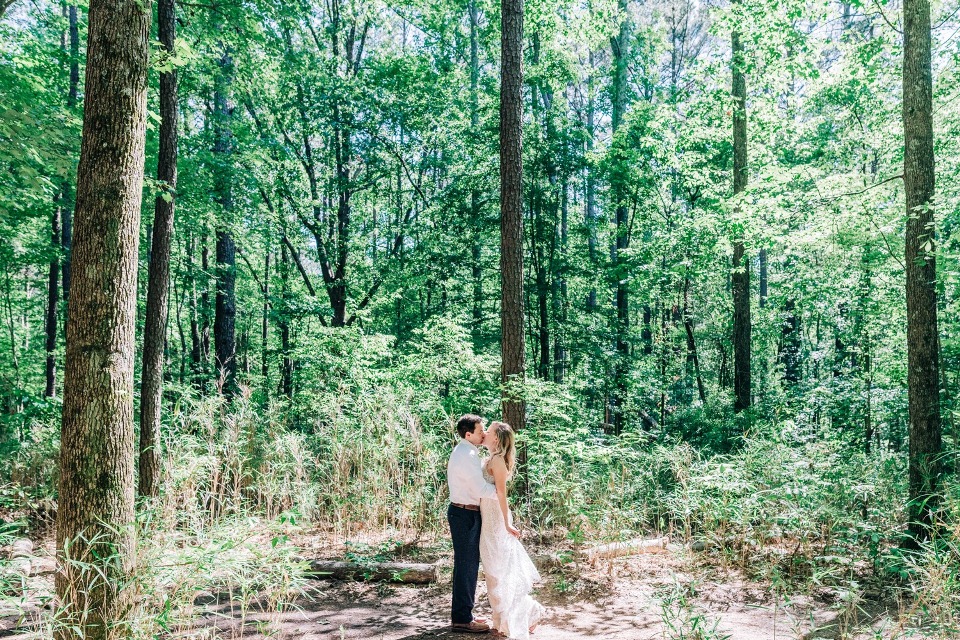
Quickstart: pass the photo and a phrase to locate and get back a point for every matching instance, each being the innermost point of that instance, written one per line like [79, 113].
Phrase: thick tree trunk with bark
[96, 493]
[741, 264]
[923, 345]
[512, 348]
[155, 322]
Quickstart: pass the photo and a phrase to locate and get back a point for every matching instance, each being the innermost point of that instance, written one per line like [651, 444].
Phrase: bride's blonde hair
[505, 440]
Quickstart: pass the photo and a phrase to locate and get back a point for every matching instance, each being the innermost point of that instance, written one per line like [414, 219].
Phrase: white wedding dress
[509, 572]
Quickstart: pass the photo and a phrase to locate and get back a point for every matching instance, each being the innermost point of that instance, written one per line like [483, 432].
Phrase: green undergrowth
[364, 446]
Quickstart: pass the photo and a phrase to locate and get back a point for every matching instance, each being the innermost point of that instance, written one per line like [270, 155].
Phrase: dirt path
[670, 595]
[653, 596]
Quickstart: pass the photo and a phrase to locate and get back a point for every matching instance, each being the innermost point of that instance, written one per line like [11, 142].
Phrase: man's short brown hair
[468, 423]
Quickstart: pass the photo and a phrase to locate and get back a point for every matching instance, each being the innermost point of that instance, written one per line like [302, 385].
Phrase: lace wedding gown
[509, 572]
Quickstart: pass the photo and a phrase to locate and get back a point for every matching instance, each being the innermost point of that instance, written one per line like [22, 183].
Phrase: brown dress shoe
[472, 627]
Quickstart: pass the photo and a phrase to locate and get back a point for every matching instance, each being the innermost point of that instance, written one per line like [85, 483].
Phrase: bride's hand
[512, 530]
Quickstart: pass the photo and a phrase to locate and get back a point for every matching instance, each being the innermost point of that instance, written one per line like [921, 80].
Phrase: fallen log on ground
[408, 573]
[14, 574]
[626, 548]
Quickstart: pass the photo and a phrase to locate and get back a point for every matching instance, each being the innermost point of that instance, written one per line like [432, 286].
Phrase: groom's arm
[479, 487]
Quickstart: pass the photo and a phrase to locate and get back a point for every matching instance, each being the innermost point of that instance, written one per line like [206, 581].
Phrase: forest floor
[671, 594]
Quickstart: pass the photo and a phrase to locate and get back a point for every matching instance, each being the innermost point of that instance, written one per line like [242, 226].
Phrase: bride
[509, 573]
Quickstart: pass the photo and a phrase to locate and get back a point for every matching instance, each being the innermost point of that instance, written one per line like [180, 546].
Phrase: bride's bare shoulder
[496, 462]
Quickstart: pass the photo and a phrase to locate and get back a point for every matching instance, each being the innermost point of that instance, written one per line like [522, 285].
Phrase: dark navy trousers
[465, 531]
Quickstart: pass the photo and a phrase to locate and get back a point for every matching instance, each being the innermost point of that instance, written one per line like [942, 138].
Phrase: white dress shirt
[465, 478]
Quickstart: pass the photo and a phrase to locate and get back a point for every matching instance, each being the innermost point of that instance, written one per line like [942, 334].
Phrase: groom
[467, 486]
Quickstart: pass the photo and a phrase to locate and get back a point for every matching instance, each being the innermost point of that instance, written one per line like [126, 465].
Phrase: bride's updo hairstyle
[505, 442]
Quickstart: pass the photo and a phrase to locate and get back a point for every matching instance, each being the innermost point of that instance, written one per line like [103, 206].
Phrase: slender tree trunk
[560, 290]
[204, 311]
[791, 344]
[95, 511]
[543, 325]
[196, 338]
[11, 328]
[741, 264]
[53, 302]
[283, 322]
[475, 221]
[620, 46]
[66, 226]
[265, 327]
[763, 278]
[155, 323]
[591, 189]
[512, 349]
[224, 323]
[923, 346]
[868, 429]
[691, 342]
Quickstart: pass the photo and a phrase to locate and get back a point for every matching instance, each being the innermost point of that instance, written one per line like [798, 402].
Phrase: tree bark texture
[155, 323]
[96, 492]
[922, 335]
[512, 349]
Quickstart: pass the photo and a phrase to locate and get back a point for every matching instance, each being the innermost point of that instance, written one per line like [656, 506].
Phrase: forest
[259, 256]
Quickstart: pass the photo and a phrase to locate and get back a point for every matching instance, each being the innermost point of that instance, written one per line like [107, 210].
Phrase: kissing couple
[481, 526]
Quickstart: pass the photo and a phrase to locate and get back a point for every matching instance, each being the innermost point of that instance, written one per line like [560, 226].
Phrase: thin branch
[862, 191]
[884, 16]
[397, 243]
[253, 271]
[884, 236]
[403, 163]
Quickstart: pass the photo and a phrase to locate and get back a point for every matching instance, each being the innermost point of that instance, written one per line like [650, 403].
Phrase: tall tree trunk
[155, 323]
[741, 264]
[560, 289]
[53, 302]
[923, 344]
[475, 222]
[264, 328]
[224, 323]
[62, 214]
[196, 339]
[620, 46]
[868, 429]
[283, 321]
[66, 226]
[96, 492]
[204, 311]
[512, 349]
[590, 214]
